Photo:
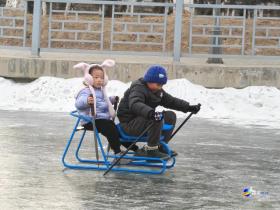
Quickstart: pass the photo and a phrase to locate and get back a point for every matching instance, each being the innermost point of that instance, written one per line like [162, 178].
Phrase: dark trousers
[137, 125]
[108, 129]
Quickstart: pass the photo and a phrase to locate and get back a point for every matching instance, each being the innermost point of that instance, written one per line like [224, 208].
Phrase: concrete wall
[229, 76]
[212, 76]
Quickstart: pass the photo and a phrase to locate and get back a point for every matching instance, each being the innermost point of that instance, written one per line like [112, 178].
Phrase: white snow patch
[246, 107]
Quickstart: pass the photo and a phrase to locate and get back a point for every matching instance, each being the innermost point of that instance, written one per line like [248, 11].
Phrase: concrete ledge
[236, 73]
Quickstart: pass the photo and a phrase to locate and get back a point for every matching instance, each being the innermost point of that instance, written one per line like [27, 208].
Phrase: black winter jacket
[139, 100]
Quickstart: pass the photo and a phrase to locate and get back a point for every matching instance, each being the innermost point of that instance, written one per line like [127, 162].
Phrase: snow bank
[248, 106]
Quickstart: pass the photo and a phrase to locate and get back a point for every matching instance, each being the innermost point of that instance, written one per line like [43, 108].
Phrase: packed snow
[251, 106]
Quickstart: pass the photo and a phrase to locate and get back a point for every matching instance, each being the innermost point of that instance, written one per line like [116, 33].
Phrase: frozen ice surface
[215, 162]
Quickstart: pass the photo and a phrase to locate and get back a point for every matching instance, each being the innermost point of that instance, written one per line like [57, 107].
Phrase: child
[94, 95]
[137, 111]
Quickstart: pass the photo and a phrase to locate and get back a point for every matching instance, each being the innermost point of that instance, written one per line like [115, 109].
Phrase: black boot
[155, 153]
[173, 152]
[142, 152]
[151, 153]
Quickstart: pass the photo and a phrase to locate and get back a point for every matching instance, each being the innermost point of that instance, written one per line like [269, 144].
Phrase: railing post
[178, 30]
[216, 41]
[35, 51]
[243, 31]
[254, 32]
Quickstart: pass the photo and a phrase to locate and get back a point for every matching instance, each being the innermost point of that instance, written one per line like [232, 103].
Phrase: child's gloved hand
[90, 100]
[157, 116]
[194, 108]
[117, 99]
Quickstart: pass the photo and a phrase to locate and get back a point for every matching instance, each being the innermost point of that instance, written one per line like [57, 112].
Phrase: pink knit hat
[86, 67]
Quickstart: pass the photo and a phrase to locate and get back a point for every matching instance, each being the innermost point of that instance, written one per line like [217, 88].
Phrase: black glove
[156, 116]
[117, 99]
[116, 102]
[194, 108]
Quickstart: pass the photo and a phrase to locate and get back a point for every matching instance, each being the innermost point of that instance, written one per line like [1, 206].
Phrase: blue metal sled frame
[138, 164]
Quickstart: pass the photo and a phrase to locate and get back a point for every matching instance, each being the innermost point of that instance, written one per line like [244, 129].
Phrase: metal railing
[246, 32]
[144, 28]
[71, 28]
[127, 28]
[13, 27]
[138, 28]
[265, 29]
[204, 28]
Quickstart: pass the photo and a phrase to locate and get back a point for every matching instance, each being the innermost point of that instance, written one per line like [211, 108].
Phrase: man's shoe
[151, 153]
[142, 152]
[155, 153]
[173, 152]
